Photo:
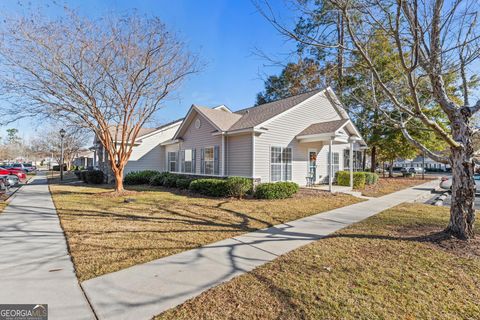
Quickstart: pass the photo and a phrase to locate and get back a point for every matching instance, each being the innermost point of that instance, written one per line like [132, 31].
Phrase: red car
[22, 176]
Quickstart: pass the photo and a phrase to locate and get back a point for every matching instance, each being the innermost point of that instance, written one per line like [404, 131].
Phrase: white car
[446, 183]
[416, 170]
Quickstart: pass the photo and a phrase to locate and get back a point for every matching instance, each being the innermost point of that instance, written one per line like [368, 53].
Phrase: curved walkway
[145, 290]
[35, 267]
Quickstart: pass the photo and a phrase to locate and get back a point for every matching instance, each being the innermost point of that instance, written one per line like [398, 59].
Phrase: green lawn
[396, 265]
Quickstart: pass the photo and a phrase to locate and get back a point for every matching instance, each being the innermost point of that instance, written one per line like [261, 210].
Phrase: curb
[440, 199]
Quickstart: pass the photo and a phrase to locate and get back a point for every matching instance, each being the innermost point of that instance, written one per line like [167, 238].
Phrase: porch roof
[338, 131]
[324, 127]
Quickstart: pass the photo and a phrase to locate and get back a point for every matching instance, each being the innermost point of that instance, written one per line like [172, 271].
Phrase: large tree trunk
[462, 211]
[373, 159]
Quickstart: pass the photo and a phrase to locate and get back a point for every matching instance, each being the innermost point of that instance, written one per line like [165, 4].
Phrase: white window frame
[212, 161]
[169, 161]
[185, 151]
[285, 167]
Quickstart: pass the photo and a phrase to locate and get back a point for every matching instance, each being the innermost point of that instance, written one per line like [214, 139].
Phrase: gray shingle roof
[254, 116]
[221, 118]
[323, 127]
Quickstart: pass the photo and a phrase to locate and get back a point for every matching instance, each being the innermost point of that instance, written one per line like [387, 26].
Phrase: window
[357, 160]
[209, 160]
[276, 164]
[336, 163]
[188, 161]
[280, 164]
[172, 161]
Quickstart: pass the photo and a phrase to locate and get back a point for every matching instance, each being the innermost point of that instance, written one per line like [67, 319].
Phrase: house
[418, 162]
[84, 158]
[290, 139]
[147, 153]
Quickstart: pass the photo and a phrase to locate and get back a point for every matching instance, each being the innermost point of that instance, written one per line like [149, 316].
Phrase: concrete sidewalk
[145, 290]
[35, 267]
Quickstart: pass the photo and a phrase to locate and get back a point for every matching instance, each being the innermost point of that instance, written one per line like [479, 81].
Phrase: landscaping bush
[95, 176]
[139, 177]
[157, 180]
[57, 168]
[83, 176]
[170, 181]
[210, 187]
[371, 178]
[359, 179]
[276, 190]
[238, 187]
[183, 183]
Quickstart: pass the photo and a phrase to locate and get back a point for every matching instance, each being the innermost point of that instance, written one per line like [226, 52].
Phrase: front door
[312, 164]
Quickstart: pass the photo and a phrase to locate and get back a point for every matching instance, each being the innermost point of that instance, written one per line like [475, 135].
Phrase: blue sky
[224, 33]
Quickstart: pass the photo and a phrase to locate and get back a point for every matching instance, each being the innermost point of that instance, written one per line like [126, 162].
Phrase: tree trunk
[119, 181]
[462, 211]
[390, 170]
[373, 159]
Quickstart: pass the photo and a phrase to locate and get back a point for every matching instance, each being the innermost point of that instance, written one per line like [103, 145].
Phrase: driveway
[35, 267]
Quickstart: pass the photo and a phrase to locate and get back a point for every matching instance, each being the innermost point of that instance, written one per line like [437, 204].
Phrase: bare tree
[109, 75]
[433, 42]
[49, 143]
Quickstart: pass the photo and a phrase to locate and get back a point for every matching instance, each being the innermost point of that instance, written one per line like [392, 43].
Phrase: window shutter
[202, 160]
[194, 160]
[177, 162]
[216, 160]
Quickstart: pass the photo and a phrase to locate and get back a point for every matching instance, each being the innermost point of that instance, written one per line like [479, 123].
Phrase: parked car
[22, 176]
[446, 183]
[29, 167]
[417, 170]
[12, 180]
[20, 166]
[4, 184]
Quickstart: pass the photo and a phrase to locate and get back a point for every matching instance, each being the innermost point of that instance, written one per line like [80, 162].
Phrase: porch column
[330, 167]
[351, 164]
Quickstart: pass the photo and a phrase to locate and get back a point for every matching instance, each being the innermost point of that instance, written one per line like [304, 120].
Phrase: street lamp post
[62, 135]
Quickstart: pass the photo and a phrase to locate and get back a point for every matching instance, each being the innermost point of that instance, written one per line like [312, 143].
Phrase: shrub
[359, 179]
[139, 177]
[183, 183]
[170, 180]
[157, 180]
[238, 186]
[78, 174]
[95, 176]
[276, 190]
[83, 175]
[371, 178]
[57, 168]
[210, 187]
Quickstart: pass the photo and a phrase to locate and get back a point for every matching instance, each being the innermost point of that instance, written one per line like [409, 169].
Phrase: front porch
[338, 132]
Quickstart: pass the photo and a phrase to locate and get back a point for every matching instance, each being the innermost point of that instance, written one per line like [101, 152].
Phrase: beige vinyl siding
[239, 155]
[150, 155]
[282, 130]
[202, 137]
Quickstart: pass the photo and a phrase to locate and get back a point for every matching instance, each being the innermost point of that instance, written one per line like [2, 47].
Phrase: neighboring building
[84, 158]
[430, 165]
[285, 140]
